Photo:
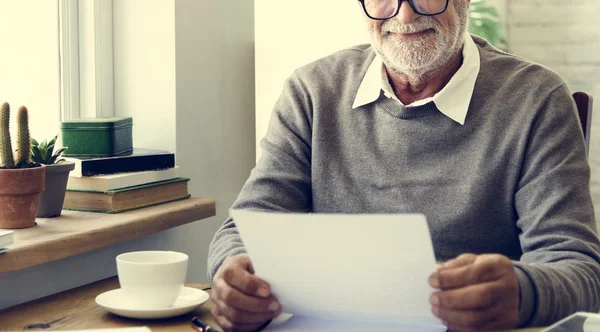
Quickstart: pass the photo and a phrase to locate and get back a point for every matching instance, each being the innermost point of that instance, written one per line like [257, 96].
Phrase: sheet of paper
[285, 323]
[352, 268]
[123, 329]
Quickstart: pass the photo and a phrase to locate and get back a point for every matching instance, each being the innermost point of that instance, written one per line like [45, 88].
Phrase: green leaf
[35, 154]
[50, 149]
[46, 156]
[53, 140]
[34, 142]
[484, 21]
[51, 144]
[60, 151]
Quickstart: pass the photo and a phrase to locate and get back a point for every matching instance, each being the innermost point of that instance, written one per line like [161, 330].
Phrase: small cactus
[23, 151]
[6, 153]
[23, 137]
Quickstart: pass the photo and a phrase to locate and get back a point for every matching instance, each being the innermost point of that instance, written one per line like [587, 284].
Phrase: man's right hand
[241, 301]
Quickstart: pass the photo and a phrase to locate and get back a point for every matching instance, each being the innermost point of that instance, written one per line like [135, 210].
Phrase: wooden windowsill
[77, 232]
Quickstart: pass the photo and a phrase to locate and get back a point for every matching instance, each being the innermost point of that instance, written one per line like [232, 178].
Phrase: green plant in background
[43, 152]
[23, 151]
[484, 21]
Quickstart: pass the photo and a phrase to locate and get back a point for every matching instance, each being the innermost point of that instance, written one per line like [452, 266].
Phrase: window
[29, 62]
[57, 60]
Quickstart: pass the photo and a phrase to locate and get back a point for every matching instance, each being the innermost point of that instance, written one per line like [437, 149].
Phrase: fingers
[236, 299]
[463, 319]
[462, 260]
[492, 318]
[240, 316]
[477, 296]
[241, 300]
[238, 276]
[228, 325]
[468, 270]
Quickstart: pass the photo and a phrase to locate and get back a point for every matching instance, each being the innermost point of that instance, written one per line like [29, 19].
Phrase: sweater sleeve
[561, 252]
[281, 179]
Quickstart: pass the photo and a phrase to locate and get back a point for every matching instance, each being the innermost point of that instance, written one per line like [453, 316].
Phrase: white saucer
[115, 302]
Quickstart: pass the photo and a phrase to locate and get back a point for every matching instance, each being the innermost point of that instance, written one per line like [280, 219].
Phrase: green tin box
[100, 137]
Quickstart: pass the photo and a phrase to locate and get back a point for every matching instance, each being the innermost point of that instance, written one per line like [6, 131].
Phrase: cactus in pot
[23, 151]
[6, 153]
[21, 181]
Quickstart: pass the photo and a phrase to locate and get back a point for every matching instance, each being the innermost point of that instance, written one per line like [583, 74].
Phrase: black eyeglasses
[386, 9]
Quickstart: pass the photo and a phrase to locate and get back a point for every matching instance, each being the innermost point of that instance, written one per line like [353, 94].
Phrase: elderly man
[430, 119]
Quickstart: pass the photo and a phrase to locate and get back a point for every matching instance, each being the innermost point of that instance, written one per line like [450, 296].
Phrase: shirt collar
[453, 100]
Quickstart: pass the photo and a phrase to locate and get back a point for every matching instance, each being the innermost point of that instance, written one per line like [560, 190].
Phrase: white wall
[177, 79]
[144, 66]
[290, 34]
[215, 111]
[29, 71]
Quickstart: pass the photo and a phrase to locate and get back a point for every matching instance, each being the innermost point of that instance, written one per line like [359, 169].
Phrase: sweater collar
[453, 100]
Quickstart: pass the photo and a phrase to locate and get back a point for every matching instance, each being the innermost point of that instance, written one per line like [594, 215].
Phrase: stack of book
[6, 239]
[122, 183]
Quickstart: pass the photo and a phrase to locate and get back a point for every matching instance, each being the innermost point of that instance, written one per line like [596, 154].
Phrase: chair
[584, 104]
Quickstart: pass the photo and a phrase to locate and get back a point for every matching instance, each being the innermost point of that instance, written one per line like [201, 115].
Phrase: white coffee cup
[152, 279]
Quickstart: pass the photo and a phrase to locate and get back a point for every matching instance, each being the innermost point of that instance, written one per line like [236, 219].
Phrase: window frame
[86, 59]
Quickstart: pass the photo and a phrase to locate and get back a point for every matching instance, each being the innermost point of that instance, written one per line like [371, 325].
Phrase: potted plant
[21, 181]
[57, 176]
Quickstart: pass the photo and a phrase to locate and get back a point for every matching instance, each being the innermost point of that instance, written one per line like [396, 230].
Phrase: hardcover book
[120, 180]
[126, 199]
[137, 161]
[6, 239]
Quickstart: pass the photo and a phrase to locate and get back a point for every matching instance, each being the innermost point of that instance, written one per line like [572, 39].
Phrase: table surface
[76, 232]
[76, 309]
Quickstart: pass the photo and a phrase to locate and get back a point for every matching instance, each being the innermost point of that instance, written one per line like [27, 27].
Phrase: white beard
[429, 53]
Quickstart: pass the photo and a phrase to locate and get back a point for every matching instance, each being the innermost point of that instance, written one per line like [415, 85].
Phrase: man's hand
[241, 301]
[476, 293]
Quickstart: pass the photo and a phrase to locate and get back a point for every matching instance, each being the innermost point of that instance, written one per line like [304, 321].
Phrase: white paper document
[115, 329]
[344, 272]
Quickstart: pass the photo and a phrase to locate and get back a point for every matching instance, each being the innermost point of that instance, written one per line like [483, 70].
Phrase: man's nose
[406, 14]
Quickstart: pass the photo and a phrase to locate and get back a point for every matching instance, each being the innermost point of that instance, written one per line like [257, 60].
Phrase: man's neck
[410, 88]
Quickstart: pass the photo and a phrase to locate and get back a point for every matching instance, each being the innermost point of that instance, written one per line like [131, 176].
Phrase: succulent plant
[23, 151]
[43, 152]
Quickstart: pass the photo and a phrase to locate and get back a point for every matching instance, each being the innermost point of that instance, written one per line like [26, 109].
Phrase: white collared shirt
[453, 100]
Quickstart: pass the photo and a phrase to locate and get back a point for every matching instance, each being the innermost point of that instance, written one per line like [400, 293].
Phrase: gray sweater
[514, 179]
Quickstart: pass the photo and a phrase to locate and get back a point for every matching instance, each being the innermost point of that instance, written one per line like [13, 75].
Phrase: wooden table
[77, 310]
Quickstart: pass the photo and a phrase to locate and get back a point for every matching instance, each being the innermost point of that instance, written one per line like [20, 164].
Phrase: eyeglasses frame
[410, 2]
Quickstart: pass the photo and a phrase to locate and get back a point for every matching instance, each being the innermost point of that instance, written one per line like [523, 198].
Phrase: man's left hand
[476, 293]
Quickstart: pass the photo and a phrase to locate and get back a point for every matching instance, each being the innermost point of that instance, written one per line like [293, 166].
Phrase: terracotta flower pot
[53, 197]
[20, 195]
